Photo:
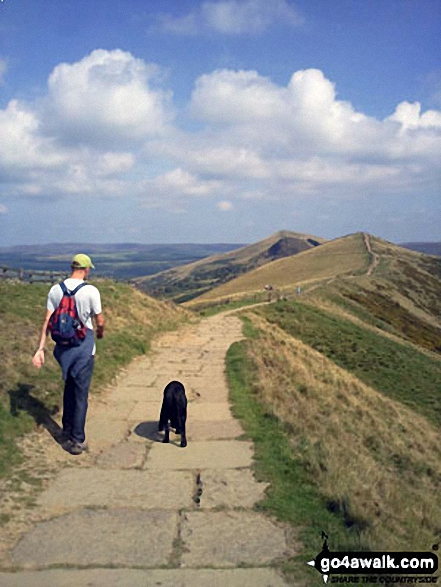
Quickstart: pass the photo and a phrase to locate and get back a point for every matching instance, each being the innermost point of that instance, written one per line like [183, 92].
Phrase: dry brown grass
[339, 257]
[374, 459]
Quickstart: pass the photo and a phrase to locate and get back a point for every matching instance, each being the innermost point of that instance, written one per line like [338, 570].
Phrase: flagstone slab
[231, 538]
[137, 393]
[124, 455]
[230, 488]
[102, 432]
[146, 410]
[213, 430]
[211, 454]
[263, 577]
[207, 389]
[113, 409]
[76, 488]
[100, 537]
[209, 411]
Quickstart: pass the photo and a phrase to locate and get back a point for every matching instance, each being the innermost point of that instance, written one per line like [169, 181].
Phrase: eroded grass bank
[340, 455]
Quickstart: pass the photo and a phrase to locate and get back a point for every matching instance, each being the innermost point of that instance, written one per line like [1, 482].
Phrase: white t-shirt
[87, 300]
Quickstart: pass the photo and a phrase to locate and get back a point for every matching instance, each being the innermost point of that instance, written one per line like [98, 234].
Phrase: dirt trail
[134, 511]
[375, 258]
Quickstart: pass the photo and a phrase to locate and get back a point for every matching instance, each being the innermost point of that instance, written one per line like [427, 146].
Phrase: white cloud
[105, 129]
[3, 209]
[305, 119]
[107, 97]
[232, 17]
[21, 146]
[303, 116]
[409, 116]
[178, 183]
[114, 163]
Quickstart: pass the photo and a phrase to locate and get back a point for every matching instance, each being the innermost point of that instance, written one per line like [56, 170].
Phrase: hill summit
[189, 281]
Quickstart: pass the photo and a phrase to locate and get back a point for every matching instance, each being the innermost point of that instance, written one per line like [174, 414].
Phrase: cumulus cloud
[106, 129]
[304, 122]
[107, 97]
[409, 116]
[232, 17]
[179, 182]
[22, 148]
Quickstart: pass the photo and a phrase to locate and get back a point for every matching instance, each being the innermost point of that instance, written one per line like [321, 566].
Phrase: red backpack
[65, 325]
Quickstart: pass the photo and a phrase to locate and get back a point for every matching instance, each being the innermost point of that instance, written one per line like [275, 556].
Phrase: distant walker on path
[71, 305]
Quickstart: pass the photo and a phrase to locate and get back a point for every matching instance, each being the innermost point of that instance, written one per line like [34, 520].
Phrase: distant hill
[427, 248]
[344, 255]
[189, 281]
[120, 261]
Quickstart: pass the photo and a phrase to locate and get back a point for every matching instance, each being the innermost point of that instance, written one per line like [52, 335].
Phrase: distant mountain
[338, 257]
[189, 281]
[120, 261]
[359, 259]
[427, 248]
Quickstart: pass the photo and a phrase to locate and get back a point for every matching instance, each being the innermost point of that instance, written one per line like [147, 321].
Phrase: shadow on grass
[21, 400]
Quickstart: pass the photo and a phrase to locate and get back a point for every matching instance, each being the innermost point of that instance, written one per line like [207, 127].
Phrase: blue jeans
[76, 391]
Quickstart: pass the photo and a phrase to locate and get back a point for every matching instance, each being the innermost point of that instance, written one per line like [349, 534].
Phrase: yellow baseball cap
[82, 261]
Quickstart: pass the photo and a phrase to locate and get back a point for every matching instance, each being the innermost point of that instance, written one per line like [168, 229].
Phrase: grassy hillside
[188, 281]
[347, 255]
[349, 371]
[131, 320]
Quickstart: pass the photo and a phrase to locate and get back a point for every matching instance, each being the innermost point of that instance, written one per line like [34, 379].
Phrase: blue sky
[220, 120]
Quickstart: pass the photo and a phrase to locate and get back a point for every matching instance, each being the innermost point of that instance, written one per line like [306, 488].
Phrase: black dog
[174, 411]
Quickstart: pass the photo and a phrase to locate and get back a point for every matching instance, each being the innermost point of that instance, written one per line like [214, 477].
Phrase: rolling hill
[345, 255]
[189, 281]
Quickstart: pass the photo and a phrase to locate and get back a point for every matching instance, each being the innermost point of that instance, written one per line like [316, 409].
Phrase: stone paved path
[134, 511]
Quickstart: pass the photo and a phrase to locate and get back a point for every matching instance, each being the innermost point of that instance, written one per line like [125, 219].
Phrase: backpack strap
[78, 288]
[63, 287]
[73, 292]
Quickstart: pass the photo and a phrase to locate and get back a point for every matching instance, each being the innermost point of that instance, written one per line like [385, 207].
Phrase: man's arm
[38, 358]
[99, 319]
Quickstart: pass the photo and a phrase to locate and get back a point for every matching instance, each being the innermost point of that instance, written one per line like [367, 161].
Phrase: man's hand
[38, 359]
[99, 325]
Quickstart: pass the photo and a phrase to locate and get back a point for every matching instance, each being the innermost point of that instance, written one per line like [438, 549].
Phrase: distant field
[124, 261]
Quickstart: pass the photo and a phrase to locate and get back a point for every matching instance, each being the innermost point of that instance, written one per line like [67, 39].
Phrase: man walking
[76, 361]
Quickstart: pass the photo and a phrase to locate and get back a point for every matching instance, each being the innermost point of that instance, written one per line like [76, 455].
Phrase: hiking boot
[62, 436]
[74, 448]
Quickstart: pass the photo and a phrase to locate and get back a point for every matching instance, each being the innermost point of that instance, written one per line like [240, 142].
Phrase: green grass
[391, 316]
[292, 496]
[397, 370]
